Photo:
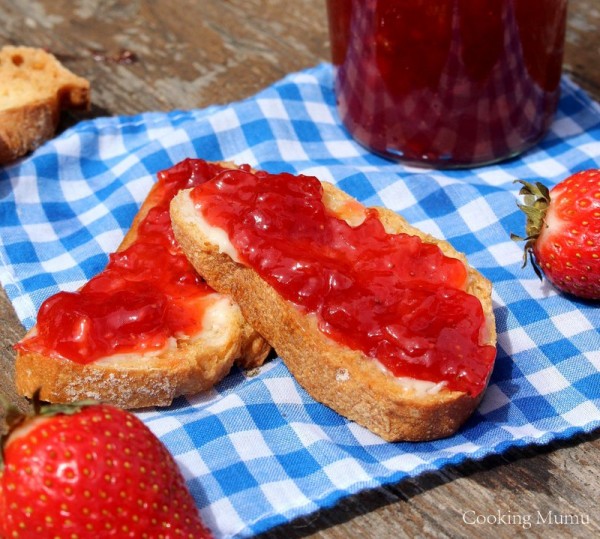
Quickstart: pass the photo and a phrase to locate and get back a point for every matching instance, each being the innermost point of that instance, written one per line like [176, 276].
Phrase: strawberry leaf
[536, 199]
[49, 410]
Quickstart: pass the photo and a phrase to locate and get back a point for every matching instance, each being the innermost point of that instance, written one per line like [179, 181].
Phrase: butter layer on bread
[199, 333]
[344, 378]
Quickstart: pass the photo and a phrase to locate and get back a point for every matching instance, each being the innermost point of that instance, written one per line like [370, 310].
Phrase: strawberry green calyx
[536, 199]
[14, 417]
[50, 410]
[563, 232]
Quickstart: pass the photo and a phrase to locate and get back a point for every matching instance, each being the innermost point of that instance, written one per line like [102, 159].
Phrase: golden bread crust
[34, 88]
[345, 380]
[137, 382]
[134, 381]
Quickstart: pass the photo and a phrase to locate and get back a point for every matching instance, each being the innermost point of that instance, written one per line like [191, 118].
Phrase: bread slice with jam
[383, 323]
[147, 328]
[34, 88]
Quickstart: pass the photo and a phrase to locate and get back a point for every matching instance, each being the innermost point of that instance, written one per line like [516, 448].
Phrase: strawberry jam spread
[147, 294]
[392, 296]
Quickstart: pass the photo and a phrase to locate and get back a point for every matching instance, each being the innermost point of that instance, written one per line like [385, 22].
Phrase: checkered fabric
[256, 450]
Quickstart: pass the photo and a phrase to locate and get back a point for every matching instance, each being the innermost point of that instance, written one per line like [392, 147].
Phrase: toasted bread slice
[34, 88]
[186, 363]
[345, 379]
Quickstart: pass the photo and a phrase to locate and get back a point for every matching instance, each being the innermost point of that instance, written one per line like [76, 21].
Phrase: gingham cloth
[256, 450]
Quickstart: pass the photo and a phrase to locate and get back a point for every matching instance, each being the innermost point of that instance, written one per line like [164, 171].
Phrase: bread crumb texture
[34, 88]
[345, 380]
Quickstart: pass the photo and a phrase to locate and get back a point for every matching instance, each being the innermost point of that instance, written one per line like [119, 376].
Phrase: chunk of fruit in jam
[392, 296]
[147, 294]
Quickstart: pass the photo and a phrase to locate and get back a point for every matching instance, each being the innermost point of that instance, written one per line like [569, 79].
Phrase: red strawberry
[91, 471]
[563, 232]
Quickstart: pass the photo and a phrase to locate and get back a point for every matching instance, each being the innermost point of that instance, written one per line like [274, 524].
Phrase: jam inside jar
[447, 83]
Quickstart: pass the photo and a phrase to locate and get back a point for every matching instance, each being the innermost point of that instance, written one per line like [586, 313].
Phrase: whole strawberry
[91, 471]
[563, 232]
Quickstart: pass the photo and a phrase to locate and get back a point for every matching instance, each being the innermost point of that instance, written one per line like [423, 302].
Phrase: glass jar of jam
[447, 83]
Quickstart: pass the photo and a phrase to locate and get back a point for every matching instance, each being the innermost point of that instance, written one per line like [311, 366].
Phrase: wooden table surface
[193, 53]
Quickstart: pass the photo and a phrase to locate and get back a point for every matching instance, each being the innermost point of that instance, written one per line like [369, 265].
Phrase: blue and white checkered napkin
[257, 451]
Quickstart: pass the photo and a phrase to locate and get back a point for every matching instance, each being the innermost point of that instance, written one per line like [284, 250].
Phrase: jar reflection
[448, 83]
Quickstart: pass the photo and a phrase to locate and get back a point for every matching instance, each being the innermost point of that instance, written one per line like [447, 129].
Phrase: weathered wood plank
[197, 53]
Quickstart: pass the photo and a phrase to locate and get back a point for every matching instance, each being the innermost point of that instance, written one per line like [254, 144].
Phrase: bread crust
[345, 380]
[134, 381]
[45, 88]
[138, 382]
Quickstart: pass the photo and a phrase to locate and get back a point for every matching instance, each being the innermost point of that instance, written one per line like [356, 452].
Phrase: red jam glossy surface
[147, 293]
[447, 82]
[394, 297]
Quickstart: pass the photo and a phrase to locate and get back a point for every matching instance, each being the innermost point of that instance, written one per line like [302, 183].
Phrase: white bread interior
[183, 367]
[34, 88]
[187, 365]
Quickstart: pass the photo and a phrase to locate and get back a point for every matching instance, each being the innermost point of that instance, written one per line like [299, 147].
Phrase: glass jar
[447, 83]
